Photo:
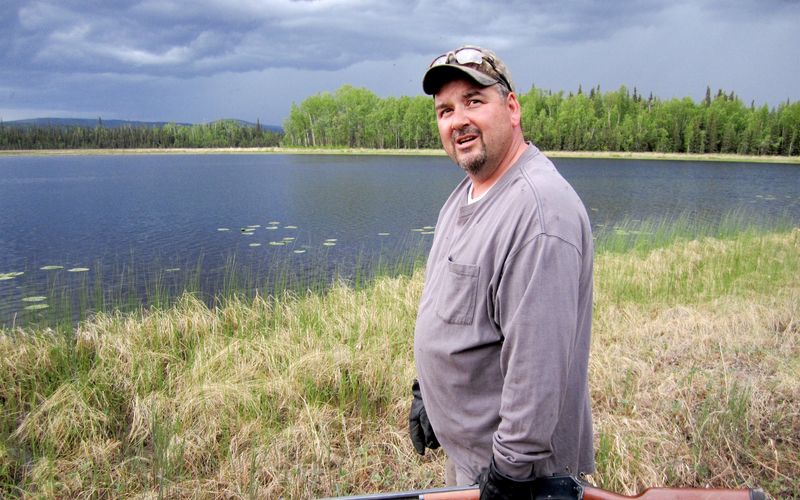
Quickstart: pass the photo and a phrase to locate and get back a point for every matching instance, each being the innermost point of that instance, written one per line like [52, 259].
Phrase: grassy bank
[695, 376]
[406, 152]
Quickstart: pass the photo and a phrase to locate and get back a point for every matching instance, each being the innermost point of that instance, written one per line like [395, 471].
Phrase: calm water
[163, 213]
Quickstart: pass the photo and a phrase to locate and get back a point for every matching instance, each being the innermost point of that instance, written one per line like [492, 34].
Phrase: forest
[353, 117]
[595, 121]
[223, 133]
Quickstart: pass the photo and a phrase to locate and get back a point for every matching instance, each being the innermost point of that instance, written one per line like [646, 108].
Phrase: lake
[125, 218]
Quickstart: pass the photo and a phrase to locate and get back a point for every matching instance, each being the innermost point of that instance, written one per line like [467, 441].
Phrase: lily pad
[78, 270]
[329, 244]
[172, 270]
[426, 232]
[300, 251]
[290, 227]
[223, 229]
[289, 238]
[277, 243]
[274, 223]
[331, 240]
[35, 298]
[51, 268]
[11, 275]
[35, 307]
[272, 227]
[255, 244]
[254, 226]
[383, 234]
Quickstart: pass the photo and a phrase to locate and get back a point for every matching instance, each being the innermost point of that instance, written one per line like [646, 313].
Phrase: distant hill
[93, 122]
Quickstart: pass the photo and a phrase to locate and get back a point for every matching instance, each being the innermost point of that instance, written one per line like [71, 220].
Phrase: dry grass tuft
[700, 394]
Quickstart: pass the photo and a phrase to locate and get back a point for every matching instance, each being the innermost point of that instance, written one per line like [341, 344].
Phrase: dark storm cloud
[200, 58]
[195, 38]
[205, 37]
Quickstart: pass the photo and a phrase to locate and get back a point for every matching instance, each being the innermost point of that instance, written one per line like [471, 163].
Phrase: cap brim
[437, 76]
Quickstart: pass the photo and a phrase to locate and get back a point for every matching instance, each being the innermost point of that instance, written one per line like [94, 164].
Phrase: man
[502, 334]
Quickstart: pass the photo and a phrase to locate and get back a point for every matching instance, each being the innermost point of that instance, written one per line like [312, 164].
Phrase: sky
[197, 61]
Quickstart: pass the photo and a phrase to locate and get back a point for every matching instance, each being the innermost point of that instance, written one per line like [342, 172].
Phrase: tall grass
[130, 286]
[695, 376]
[696, 363]
[643, 236]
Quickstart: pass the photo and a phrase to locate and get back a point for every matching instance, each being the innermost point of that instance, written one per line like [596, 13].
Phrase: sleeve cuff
[513, 470]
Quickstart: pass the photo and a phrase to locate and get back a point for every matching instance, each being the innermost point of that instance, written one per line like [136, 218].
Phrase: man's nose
[459, 118]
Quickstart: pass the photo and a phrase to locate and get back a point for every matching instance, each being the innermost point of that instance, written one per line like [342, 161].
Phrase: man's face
[475, 125]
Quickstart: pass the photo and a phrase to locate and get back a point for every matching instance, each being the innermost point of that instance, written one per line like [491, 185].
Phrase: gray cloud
[205, 37]
[191, 59]
[195, 38]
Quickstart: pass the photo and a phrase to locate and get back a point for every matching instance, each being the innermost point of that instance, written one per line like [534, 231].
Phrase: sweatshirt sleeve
[536, 307]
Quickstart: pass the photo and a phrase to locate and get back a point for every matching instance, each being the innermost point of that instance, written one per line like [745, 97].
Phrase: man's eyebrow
[466, 95]
[441, 105]
[472, 93]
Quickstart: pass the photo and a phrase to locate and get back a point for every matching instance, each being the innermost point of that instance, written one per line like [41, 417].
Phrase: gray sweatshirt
[503, 329]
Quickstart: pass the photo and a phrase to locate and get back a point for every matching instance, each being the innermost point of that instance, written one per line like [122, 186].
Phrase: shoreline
[621, 155]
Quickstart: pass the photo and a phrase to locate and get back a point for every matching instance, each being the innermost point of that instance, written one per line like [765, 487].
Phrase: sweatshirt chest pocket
[457, 293]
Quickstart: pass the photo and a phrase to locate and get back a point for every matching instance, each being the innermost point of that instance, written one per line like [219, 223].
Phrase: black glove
[494, 485]
[419, 427]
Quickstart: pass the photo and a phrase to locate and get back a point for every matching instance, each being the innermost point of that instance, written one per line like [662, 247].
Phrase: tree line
[223, 133]
[595, 121]
[357, 118]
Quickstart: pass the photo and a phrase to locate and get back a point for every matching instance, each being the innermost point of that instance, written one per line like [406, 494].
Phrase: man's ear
[514, 108]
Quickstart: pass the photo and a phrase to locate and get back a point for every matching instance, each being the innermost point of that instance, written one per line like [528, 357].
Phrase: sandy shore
[403, 152]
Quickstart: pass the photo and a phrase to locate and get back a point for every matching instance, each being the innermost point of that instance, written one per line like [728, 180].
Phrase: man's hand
[418, 425]
[494, 485]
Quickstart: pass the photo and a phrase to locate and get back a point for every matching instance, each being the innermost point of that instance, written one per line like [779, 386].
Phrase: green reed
[128, 286]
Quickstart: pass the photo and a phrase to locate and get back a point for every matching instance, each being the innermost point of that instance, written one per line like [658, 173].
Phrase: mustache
[472, 130]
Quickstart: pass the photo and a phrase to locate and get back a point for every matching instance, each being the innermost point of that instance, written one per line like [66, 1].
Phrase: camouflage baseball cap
[480, 65]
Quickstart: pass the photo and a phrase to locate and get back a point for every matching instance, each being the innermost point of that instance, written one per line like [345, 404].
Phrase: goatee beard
[472, 163]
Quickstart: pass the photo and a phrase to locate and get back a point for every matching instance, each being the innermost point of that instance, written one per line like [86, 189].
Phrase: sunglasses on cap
[468, 55]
